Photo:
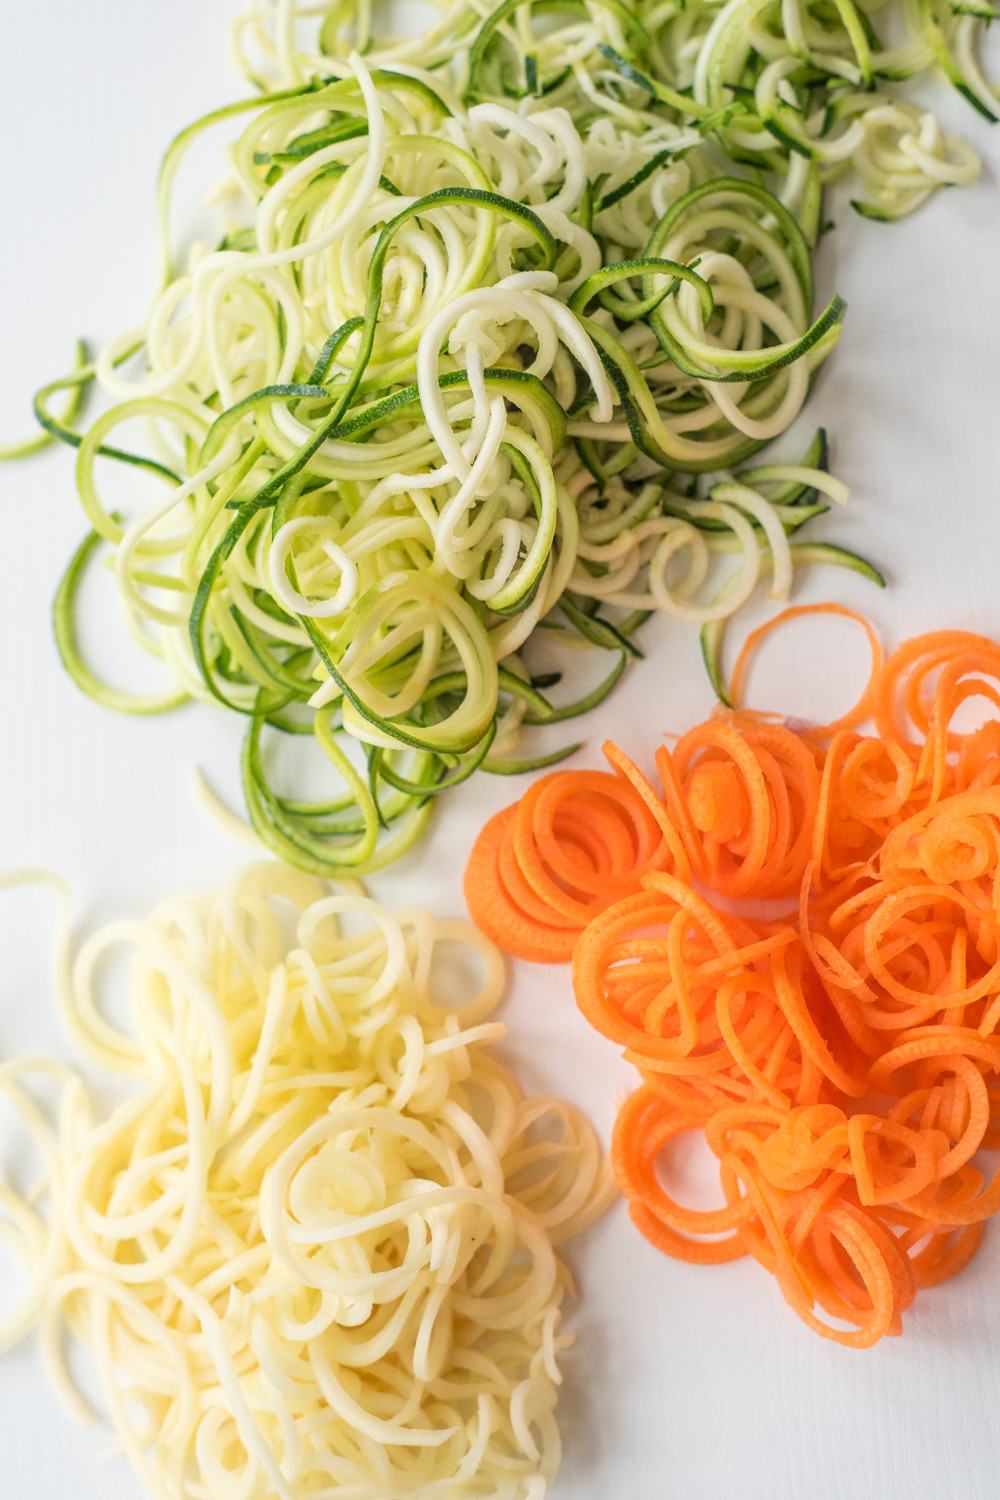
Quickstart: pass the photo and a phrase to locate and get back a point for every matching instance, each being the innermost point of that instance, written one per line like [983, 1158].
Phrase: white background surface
[685, 1382]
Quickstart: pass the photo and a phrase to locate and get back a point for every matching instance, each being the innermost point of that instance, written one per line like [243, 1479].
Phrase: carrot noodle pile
[840, 1046]
[574, 842]
[313, 1250]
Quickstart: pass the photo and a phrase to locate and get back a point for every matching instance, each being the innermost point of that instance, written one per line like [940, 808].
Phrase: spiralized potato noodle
[314, 1250]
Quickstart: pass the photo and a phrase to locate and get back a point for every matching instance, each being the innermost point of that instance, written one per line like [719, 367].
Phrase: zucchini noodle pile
[313, 1251]
[797, 88]
[498, 316]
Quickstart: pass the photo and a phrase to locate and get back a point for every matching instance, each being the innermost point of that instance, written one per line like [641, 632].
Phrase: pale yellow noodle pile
[312, 1254]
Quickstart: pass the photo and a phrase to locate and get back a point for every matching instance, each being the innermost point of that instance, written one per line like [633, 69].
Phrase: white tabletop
[685, 1382]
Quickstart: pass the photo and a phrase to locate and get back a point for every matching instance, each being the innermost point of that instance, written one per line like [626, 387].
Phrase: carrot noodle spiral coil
[813, 982]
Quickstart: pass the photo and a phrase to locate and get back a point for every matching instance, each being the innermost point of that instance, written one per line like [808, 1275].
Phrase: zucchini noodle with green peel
[499, 315]
[314, 1249]
[392, 417]
[800, 89]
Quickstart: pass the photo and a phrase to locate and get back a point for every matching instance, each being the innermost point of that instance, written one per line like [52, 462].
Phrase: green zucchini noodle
[314, 1248]
[71, 406]
[499, 312]
[794, 87]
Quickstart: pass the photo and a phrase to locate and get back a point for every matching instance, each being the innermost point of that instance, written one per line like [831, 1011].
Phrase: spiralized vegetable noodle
[462, 367]
[314, 1250]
